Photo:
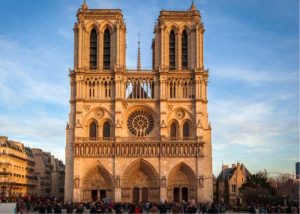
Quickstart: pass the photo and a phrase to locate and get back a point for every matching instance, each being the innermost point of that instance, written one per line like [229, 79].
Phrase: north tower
[138, 135]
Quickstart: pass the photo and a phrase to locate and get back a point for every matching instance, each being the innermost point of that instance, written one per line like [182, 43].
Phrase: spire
[193, 7]
[84, 6]
[139, 66]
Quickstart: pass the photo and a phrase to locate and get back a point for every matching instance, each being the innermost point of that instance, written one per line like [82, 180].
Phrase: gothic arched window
[106, 50]
[93, 49]
[173, 130]
[106, 129]
[93, 130]
[186, 129]
[172, 50]
[184, 50]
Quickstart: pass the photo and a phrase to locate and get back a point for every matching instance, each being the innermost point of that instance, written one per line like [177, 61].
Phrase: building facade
[229, 182]
[16, 169]
[138, 135]
[42, 171]
[57, 177]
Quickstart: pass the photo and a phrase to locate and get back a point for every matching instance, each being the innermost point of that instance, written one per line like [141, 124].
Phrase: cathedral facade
[138, 135]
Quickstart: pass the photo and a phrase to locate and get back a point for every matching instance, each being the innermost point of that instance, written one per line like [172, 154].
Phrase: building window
[186, 129]
[173, 130]
[93, 49]
[172, 50]
[106, 50]
[172, 90]
[106, 130]
[184, 50]
[233, 188]
[93, 130]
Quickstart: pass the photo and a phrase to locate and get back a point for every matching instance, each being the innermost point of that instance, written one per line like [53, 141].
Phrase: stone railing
[146, 147]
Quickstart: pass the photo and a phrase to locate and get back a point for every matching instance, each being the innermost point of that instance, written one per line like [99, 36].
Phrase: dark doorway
[94, 195]
[185, 194]
[136, 195]
[102, 194]
[176, 194]
[144, 194]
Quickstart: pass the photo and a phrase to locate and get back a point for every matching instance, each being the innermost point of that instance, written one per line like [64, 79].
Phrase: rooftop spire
[84, 6]
[139, 66]
[193, 7]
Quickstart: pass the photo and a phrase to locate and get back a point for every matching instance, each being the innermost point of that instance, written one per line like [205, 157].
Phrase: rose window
[140, 123]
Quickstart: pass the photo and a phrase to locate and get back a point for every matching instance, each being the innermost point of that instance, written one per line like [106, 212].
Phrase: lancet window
[186, 129]
[106, 130]
[172, 48]
[106, 50]
[93, 49]
[173, 130]
[93, 130]
[184, 50]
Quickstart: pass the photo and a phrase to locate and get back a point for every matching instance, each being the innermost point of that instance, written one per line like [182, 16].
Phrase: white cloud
[255, 76]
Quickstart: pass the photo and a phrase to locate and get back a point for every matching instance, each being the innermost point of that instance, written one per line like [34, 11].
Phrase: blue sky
[251, 50]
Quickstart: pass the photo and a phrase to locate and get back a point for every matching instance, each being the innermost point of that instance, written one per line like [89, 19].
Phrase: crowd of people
[54, 205]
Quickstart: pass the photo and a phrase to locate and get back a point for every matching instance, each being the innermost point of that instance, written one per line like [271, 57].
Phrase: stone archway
[140, 182]
[98, 184]
[181, 183]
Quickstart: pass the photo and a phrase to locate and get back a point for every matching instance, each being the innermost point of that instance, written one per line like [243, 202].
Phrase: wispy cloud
[255, 76]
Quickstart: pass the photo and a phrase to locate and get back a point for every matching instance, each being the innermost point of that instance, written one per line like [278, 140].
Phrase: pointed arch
[95, 181]
[182, 175]
[106, 132]
[106, 48]
[135, 169]
[93, 49]
[186, 129]
[184, 49]
[93, 128]
[174, 132]
[172, 50]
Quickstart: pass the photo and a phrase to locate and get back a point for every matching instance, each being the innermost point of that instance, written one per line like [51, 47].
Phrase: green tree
[257, 189]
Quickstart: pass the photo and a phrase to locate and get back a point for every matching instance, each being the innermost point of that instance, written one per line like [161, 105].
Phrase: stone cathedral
[138, 135]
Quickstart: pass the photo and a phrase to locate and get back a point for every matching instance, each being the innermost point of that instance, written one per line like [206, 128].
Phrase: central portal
[140, 183]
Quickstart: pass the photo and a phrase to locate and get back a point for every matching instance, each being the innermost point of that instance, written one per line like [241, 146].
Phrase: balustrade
[131, 147]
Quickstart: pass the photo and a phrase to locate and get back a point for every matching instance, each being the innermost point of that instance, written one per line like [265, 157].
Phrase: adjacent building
[25, 171]
[42, 170]
[16, 169]
[228, 183]
[138, 135]
[57, 177]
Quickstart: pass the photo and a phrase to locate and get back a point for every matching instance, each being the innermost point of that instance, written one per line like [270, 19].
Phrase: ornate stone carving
[180, 114]
[140, 123]
[170, 107]
[86, 107]
[100, 114]
[118, 182]
[163, 125]
[76, 183]
[201, 181]
[163, 181]
[78, 124]
[118, 125]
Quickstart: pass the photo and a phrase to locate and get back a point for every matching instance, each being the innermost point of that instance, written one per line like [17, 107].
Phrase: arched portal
[140, 182]
[181, 183]
[98, 184]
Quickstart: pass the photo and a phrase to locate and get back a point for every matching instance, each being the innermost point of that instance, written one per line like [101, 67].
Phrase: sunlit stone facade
[17, 176]
[138, 135]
